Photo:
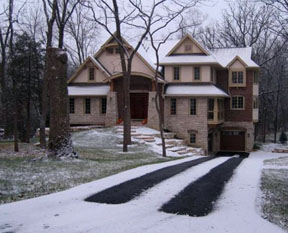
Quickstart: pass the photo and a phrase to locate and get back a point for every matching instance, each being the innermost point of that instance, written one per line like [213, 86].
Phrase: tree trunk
[60, 143]
[44, 106]
[160, 112]
[15, 118]
[126, 113]
[275, 122]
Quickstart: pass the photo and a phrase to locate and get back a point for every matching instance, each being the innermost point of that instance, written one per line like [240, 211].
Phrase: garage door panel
[232, 141]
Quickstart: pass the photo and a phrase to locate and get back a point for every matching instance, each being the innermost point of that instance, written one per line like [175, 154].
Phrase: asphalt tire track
[197, 198]
[130, 189]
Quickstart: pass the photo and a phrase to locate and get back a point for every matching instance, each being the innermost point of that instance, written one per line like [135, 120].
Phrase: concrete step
[183, 152]
[122, 132]
[149, 140]
[178, 149]
[145, 137]
[167, 135]
[135, 134]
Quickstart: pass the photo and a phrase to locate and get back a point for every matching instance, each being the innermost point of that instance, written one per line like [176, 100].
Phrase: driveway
[235, 211]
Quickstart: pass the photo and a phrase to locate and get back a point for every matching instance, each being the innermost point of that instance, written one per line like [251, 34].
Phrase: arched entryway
[139, 96]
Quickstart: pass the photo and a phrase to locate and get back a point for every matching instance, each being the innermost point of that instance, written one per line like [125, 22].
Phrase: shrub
[283, 138]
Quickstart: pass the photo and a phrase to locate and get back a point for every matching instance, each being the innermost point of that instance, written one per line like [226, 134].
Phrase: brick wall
[247, 92]
[183, 122]
[80, 118]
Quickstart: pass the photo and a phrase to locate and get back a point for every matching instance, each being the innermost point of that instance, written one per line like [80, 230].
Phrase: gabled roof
[96, 64]
[140, 52]
[222, 56]
[226, 56]
[237, 58]
[187, 36]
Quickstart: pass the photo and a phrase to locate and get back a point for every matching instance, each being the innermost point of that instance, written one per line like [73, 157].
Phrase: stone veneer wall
[249, 136]
[183, 122]
[112, 109]
[80, 118]
[153, 119]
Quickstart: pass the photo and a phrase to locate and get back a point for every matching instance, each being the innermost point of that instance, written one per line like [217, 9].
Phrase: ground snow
[236, 211]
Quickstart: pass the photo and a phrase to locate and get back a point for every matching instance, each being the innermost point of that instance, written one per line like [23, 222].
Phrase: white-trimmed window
[87, 106]
[103, 105]
[211, 104]
[173, 106]
[197, 73]
[237, 78]
[91, 74]
[238, 102]
[71, 105]
[193, 106]
[176, 73]
[192, 137]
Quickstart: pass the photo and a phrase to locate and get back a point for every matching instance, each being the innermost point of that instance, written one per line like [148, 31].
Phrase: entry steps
[172, 144]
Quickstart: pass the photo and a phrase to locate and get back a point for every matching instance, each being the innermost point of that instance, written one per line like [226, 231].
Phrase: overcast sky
[214, 8]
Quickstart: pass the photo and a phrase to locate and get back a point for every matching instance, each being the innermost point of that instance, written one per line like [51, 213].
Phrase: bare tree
[192, 20]
[6, 38]
[50, 14]
[55, 80]
[141, 18]
[159, 100]
[84, 35]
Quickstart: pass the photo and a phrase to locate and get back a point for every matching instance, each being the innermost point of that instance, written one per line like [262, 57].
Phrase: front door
[139, 105]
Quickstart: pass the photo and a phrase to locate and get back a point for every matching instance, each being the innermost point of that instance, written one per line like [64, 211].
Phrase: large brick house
[210, 96]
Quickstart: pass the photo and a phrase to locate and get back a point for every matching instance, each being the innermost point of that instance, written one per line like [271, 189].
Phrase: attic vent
[188, 48]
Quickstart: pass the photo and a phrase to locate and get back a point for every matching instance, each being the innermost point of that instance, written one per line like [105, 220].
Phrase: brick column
[153, 120]
[112, 109]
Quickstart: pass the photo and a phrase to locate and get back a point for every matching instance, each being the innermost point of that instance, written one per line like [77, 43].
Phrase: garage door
[232, 141]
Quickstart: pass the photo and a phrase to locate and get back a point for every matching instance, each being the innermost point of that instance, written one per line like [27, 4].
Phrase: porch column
[153, 120]
[111, 110]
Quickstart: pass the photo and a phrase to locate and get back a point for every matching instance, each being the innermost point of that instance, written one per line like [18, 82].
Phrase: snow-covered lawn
[238, 210]
[22, 177]
[274, 185]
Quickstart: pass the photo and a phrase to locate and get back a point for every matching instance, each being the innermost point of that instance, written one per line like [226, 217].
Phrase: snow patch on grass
[274, 187]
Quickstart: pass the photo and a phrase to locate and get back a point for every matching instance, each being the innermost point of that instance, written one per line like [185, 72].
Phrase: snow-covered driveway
[66, 211]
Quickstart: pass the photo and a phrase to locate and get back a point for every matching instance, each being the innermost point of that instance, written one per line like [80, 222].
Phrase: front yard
[274, 186]
[23, 176]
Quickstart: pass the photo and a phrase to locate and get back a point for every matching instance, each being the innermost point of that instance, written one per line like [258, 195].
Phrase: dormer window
[237, 78]
[176, 75]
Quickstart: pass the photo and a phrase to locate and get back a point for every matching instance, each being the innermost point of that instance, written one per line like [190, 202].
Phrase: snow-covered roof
[225, 55]
[194, 90]
[188, 59]
[100, 90]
